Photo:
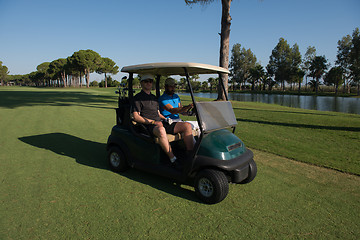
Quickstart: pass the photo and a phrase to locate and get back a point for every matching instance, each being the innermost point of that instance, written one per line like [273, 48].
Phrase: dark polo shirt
[147, 105]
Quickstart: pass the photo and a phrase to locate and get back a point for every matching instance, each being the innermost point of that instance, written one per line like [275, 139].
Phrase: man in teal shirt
[170, 104]
[170, 107]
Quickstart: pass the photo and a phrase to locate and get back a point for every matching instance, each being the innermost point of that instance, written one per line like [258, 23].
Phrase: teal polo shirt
[173, 100]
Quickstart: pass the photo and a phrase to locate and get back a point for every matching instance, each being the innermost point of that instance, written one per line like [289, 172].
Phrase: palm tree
[256, 74]
[312, 84]
[182, 83]
[309, 56]
[335, 76]
[212, 82]
[224, 41]
[299, 76]
[317, 68]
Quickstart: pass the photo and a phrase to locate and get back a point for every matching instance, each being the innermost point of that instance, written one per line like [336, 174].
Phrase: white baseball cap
[147, 76]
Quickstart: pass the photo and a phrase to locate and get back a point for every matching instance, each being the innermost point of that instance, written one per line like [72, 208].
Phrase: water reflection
[335, 104]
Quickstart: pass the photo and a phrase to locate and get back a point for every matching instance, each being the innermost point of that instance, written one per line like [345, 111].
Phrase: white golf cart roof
[173, 68]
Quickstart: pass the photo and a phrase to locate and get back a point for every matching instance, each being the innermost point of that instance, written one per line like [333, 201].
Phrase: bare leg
[163, 141]
[186, 129]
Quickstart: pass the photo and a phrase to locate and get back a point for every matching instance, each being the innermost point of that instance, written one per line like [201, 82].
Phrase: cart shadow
[93, 154]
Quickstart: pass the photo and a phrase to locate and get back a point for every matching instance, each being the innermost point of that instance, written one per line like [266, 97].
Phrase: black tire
[117, 160]
[211, 186]
[252, 172]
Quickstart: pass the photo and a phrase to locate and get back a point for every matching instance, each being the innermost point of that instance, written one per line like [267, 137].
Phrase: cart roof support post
[158, 86]
[130, 86]
[198, 142]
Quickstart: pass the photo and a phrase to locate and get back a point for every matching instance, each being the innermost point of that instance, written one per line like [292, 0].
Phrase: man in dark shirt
[146, 111]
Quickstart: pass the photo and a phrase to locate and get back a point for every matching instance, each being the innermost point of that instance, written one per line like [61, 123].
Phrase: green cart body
[219, 156]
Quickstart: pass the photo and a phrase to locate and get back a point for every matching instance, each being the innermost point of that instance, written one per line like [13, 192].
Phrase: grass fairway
[322, 138]
[55, 183]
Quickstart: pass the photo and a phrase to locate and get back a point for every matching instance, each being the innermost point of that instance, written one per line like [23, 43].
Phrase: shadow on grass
[93, 154]
[351, 129]
[14, 99]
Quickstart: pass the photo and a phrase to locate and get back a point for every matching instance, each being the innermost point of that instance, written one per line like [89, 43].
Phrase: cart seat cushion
[171, 137]
[175, 137]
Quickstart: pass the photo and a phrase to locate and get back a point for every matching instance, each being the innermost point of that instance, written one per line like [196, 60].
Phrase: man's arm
[140, 119]
[161, 116]
[180, 109]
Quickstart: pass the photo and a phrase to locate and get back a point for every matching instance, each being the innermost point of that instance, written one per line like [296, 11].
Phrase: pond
[321, 103]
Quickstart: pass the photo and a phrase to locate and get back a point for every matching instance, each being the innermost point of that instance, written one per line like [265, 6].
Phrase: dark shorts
[168, 128]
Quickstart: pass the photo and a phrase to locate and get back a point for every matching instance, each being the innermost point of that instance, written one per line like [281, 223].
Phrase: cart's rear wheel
[117, 160]
[252, 172]
[211, 186]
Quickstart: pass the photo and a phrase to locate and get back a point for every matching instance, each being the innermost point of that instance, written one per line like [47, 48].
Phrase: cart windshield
[216, 115]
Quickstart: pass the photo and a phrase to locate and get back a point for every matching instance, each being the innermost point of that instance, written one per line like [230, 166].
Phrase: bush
[110, 82]
[94, 84]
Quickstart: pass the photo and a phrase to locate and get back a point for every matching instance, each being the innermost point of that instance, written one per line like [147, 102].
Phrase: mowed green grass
[322, 138]
[55, 183]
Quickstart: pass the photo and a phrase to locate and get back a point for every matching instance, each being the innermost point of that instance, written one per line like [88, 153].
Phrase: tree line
[287, 66]
[64, 72]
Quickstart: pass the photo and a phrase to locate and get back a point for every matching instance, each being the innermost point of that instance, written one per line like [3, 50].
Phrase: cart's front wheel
[211, 186]
[117, 160]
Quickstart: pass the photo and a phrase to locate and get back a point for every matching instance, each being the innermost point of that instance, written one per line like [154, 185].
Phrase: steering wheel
[190, 112]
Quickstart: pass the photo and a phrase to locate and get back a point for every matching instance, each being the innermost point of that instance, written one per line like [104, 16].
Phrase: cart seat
[171, 137]
[175, 137]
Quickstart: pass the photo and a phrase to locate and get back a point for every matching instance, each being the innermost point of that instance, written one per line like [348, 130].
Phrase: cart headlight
[234, 146]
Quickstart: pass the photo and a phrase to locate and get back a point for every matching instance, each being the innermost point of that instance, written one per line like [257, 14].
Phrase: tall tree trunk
[224, 47]
[105, 81]
[336, 88]
[63, 77]
[80, 80]
[317, 85]
[87, 78]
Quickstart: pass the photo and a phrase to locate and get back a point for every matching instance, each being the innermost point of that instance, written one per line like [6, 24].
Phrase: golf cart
[218, 158]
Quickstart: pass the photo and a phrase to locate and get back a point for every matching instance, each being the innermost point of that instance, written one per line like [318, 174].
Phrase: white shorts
[194, 125]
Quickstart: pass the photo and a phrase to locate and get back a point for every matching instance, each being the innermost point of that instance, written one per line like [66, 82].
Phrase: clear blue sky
[141, 31]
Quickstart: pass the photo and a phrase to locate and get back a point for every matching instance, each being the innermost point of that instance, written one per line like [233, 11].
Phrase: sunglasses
[148, 81]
